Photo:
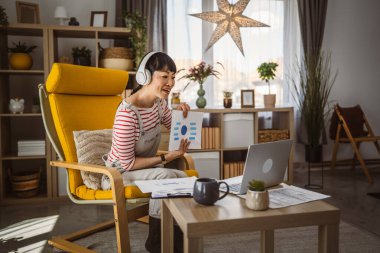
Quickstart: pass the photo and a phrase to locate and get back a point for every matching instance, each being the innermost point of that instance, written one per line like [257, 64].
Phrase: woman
[137, 133]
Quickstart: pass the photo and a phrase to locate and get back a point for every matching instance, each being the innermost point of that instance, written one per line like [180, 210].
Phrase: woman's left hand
[184, 107]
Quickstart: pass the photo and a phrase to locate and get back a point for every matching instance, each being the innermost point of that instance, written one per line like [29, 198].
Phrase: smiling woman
[137, 133]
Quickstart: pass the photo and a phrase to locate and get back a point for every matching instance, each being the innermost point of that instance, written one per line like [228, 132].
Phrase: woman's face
[162, 83]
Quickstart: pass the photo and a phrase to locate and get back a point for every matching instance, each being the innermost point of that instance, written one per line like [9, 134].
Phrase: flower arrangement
[200, 72]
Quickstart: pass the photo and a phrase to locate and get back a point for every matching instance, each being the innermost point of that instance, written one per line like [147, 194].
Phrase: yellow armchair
[85, 98]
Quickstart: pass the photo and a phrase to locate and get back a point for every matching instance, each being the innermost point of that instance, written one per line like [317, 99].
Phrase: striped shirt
[126, 130]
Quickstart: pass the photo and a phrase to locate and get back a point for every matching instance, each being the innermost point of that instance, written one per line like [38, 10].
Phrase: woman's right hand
[183, 146]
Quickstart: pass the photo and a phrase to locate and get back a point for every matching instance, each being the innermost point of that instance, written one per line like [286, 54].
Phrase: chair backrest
[352, 116]
[81, 98]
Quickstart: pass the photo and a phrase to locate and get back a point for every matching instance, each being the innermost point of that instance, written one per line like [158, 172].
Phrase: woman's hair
[158, 62]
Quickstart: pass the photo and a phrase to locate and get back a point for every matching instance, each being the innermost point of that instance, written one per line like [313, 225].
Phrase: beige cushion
[90, 147]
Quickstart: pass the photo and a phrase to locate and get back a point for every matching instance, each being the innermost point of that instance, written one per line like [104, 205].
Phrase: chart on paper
[186, 128]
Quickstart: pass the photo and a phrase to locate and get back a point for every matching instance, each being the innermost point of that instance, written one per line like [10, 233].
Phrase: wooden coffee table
[230, 215]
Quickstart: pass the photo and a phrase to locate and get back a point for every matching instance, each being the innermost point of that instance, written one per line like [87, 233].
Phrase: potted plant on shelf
[3, 17]
[266, 72]
[312, 86]
[20, 58]
[81, 56]
[257, 197]
[139, 39]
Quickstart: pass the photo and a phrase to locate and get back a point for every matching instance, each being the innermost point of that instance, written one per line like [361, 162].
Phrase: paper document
[189, 127]
[290, 195]
[170, 185]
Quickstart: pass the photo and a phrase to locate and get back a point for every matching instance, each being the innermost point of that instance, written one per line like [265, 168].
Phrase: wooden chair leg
[335, 150]
[354, 158]
[377, 146]
[361, 161]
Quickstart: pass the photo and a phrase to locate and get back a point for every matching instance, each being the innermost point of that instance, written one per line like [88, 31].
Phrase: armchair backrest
[82, 98]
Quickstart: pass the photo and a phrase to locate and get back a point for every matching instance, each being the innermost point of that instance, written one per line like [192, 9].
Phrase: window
[188, 36]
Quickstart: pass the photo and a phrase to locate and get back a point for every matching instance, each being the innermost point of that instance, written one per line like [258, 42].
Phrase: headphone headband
[143, 75]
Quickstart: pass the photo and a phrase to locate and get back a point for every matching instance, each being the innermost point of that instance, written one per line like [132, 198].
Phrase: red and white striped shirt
[126, 130]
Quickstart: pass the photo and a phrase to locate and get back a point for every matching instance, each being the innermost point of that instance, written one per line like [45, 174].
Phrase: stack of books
[210, 138]
[30, 147]
[233, 169]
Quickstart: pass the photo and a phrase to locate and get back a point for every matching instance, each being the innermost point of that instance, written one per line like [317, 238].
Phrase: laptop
[267, 162]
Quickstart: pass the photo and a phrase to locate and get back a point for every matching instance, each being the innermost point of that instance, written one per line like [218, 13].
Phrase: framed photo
[247, 98]
[99, 18]
[27, 13]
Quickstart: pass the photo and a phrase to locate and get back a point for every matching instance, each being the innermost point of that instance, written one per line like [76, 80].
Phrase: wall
[353, 37]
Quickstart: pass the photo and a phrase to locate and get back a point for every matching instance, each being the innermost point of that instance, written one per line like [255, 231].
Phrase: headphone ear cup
[141, 77]
[148, 77]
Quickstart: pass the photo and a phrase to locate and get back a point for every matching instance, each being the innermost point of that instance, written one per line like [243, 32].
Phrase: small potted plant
[3, 17]
[20, 58]
[81, 56]
[257, 196]
[266, 72]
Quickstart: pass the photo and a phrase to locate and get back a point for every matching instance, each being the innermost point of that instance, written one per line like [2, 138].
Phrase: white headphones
[143, 75]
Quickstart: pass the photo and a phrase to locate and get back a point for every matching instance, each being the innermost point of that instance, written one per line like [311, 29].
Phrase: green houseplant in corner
[257, 197]
[312, 86]
[139, 38]
[266, 73]
[20, 58]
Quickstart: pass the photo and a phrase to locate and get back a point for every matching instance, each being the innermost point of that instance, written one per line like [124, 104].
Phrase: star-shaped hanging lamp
[229, 19]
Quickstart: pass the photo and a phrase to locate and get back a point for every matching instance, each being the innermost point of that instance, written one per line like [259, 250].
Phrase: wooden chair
[86, 98]
[350, 125]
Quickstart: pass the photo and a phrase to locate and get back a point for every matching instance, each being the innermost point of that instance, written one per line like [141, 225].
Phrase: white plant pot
[269, 100]
[257, 200]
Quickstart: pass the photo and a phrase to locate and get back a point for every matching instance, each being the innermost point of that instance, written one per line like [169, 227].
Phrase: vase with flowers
[199, 73]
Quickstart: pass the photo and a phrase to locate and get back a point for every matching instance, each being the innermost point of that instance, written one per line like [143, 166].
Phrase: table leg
[267, 241]
[328, 238]
[167, 233]
[192, 245]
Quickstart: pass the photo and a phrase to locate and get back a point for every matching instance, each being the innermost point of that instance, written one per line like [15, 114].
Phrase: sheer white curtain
[188, 36]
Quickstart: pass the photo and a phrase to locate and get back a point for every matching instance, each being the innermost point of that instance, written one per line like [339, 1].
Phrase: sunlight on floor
[27, 229]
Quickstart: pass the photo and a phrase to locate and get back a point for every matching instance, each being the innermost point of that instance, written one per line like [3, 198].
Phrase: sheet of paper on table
[170, 185]
[182, 128]
[289, 195]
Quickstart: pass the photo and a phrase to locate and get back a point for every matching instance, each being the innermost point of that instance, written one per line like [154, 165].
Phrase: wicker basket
[25, 184]
[116, 58]
[268, 135]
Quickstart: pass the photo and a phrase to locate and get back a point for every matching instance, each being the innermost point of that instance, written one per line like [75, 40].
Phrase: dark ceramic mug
[206, 191]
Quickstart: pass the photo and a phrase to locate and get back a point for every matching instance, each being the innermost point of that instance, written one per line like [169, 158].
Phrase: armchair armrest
[186, 159]
[114, 175]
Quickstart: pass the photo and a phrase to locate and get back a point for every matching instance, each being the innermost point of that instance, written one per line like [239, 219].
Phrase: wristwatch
[163, 159]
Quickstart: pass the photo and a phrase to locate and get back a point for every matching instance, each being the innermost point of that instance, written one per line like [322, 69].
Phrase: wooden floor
[348, 190]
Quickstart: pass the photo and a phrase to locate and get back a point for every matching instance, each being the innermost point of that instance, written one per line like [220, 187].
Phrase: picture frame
[27, 12]
[98, 18]
[247, 98]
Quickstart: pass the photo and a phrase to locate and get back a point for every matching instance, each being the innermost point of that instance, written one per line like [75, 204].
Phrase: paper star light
[229, 19]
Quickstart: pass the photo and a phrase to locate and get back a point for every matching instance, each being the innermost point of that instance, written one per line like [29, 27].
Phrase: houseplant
[3, 16]
[81, 56]
[257, 197]
[139, 37]
[312, 86]
[20, 58]
[267, 72]
[199, 73]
